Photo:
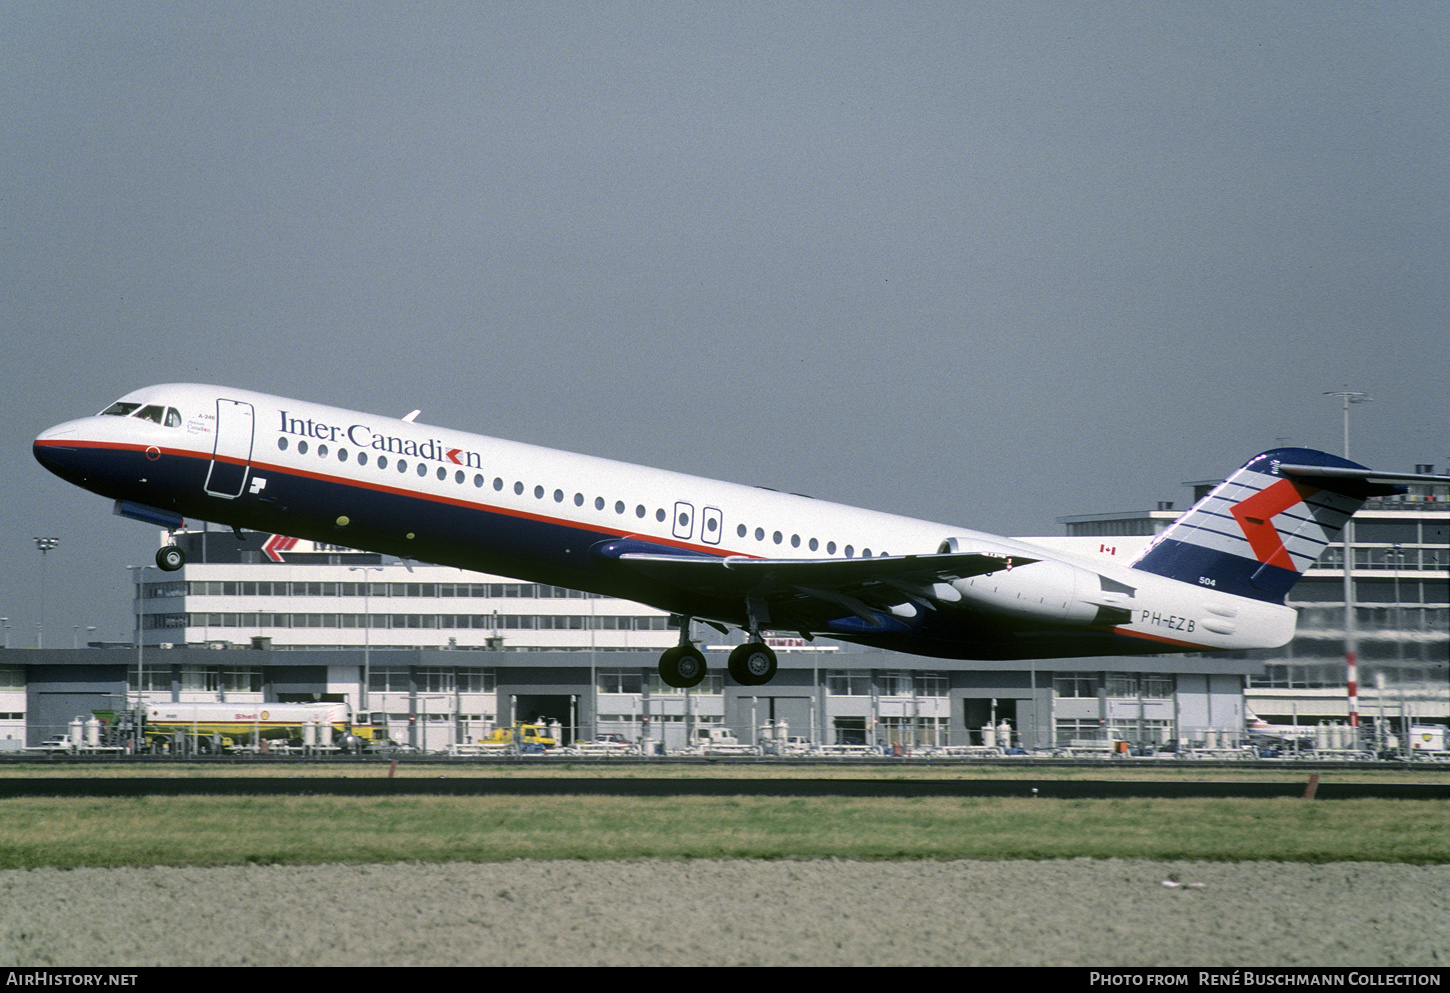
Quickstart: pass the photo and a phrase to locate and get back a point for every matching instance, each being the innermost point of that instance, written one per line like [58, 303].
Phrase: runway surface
[381, 786]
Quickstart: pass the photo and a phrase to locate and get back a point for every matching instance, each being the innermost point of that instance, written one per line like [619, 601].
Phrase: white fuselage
[253, 460]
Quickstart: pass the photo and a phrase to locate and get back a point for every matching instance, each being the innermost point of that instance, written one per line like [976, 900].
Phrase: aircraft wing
[807, 592]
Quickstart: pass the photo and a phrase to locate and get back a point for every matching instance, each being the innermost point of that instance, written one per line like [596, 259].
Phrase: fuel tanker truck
[221, 727]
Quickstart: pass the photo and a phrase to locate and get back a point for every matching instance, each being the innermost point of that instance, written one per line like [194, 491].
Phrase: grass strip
[726, 769]
[206, 831]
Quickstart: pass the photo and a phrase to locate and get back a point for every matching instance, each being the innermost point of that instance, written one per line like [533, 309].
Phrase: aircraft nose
[56, 449]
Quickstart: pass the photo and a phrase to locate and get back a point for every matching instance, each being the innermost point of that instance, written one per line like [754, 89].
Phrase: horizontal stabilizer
[1357, 481]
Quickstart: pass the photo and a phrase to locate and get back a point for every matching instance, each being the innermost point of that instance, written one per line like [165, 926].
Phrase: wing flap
[815, 587]
[740, 571]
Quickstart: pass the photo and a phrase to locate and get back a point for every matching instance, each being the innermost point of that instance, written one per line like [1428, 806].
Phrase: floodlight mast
[1351, 655]
[45, 544]
[1349, 397]
[367, 632]
[140, 575]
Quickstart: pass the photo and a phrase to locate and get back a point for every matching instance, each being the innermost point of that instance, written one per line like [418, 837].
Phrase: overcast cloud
[982, 263]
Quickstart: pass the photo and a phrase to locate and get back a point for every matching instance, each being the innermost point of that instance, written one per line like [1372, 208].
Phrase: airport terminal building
[442, 657]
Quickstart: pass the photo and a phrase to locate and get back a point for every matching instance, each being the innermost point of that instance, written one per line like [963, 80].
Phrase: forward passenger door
[231, 458]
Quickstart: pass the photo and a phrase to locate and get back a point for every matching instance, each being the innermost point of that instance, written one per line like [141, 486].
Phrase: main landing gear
[752, 664]
[684, 666]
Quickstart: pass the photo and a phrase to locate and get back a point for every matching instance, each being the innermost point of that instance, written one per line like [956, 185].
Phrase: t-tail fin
[1257, 531]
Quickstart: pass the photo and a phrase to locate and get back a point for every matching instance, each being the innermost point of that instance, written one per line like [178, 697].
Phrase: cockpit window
[153, 412]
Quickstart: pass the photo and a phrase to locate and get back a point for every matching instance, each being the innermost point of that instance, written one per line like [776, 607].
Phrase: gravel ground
[1076, 912]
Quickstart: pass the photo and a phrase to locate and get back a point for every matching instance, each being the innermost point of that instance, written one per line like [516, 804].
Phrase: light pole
[1351, 656]
[367, 632]
[424, 718]
[140, 571]
[1397, 557]
[1349, 397]
[6, 621]
[45, 544]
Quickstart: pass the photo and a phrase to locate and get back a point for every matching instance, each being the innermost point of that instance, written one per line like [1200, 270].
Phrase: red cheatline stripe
[1159, 638]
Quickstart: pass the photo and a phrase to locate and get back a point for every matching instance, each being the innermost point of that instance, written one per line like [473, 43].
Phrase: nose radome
[51, 448]
[64, 431]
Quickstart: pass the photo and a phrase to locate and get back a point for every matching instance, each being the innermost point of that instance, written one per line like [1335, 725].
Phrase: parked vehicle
[526, 736]
[58, 743]
[213, 727]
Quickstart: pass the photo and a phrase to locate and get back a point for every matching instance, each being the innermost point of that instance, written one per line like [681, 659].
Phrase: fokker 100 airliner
[717, 552]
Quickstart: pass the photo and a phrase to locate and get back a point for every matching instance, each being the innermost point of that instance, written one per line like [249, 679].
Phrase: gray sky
[984, 263]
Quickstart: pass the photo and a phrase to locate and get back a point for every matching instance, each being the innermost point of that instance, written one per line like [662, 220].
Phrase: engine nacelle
[1044, 589]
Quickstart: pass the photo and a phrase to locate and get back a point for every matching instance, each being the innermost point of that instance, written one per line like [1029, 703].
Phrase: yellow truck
[527, 736]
